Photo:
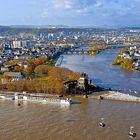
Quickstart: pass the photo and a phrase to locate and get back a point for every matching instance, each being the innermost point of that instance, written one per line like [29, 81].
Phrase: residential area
[129, 58]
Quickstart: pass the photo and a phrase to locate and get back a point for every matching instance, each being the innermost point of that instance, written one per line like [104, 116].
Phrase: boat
[37, 98]
[132, 134]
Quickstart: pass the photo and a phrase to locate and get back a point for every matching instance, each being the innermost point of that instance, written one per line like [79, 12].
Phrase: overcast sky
[70, 12]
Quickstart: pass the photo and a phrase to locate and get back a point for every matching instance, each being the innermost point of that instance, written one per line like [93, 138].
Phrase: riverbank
[12, 93]
[115, 96]
[97, 49]
[59, 61]
[102, 72]
[126, 64]
[104, 95]
[128, 58]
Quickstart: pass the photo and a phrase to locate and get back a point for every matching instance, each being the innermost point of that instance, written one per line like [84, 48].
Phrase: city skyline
[70, 12]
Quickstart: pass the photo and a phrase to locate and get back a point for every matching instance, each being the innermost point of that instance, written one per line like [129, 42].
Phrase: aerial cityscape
[70, 69]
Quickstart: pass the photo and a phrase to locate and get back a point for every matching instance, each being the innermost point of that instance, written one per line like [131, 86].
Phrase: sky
[70, 12]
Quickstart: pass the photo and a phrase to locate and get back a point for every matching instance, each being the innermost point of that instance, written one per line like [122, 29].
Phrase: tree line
[40, 77]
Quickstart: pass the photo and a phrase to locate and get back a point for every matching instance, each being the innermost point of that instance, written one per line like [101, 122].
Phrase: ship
[36, 98]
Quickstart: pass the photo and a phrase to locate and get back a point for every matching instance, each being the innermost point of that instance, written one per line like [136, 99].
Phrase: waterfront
[41, 121]
[54, 122]
[102, 72]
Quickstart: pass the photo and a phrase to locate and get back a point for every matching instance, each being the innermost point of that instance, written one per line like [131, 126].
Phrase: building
[81, 86]
[83, 81]
[17, 44]
[137, 64]
[11, 76]
[24, 43]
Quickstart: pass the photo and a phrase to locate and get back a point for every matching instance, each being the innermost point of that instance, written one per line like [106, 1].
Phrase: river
[38, 121]
[103, 73]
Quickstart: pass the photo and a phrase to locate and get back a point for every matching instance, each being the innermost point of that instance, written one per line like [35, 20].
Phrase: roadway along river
[102, 72]
[36, 121]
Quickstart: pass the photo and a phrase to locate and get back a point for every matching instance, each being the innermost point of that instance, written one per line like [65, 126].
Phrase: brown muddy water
[37, 121]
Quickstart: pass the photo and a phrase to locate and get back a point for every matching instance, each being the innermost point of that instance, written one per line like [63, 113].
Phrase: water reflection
[65, 107]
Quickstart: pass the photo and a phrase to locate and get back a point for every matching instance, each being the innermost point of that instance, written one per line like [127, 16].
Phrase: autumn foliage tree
[11, 62]
[50, 85]
[19, 69]
[127, 64]
[59, 72]
[41, 78]
[41, 69]
[74, 76]
[118, 60]
[37, 61]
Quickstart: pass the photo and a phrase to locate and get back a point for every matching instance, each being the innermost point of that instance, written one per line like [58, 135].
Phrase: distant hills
[39, 26]
[65, 26]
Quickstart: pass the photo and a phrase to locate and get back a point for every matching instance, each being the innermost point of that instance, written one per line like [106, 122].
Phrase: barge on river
[36, 97]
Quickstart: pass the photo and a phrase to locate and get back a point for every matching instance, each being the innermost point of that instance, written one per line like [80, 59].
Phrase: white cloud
[57, 3]
[68, 4]
[98, 4]
[65, 4]
[109, 9]
[83, 12]
[44, 13]
[76, 7]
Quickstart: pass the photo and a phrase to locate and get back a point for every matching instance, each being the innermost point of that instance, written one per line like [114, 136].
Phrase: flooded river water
[36, 121]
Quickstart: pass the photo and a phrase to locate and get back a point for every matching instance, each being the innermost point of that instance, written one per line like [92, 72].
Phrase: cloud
[71, 12]
[98, 4]
[92, 6]
[96, 10]
[44, 13]
[65, 4]
[72, 5]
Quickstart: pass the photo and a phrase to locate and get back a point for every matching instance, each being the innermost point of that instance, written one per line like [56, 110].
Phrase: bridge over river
[87, 51]
[79, 51]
